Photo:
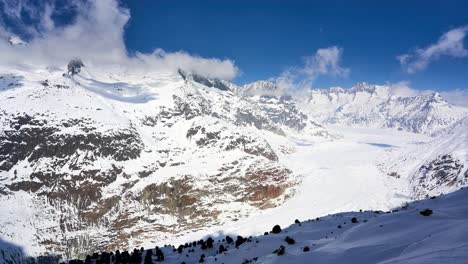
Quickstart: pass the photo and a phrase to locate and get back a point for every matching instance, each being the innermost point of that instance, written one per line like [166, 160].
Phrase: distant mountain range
[368, 105]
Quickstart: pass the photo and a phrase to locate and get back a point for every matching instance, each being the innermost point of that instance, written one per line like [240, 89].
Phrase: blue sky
[266, 37]
[321, 43]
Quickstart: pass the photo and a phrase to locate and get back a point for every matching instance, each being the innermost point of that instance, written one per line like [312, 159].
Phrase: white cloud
[403, 89]
[211, 68]
[325, 61]
[96, 35]
[456, 97]
[449, 44]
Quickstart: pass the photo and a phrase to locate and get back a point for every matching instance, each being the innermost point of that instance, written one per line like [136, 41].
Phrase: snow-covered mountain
[99, 161]
[367, 105]
[103, 161]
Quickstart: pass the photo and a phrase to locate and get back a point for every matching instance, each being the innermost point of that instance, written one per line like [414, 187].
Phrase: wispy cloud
[325, 61]
[449, 44]
[456, 97]
[403, 89]
[96, 34]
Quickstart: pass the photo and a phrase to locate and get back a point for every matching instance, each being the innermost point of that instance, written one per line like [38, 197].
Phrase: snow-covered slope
[435, 167]
[401, 236]
[428, 231]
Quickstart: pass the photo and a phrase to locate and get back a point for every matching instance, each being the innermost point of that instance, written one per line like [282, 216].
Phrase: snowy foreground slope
[428, 231]
[103, 161]
[402, 236]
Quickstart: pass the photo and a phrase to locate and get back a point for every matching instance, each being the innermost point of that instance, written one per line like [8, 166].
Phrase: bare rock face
[74, 66]
[32, 139]
[441, 173]
[226, 139]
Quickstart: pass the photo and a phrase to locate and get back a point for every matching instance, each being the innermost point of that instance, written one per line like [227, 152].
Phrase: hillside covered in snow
[99, 160]
[105, 161]
[428, 231]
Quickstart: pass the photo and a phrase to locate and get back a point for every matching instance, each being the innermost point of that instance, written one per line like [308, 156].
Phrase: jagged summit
[203, 80]
[365, 105]
[377, 106]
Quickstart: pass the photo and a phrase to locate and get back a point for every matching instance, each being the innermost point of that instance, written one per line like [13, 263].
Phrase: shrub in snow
[306, 249]
[354, 220]
[180, 249]
[209, 242]
[280, 251]
[221, 249]
[202, 258]
[426, 212]
[297, 221]
[276, 229]
[136, 256]
[203, 246]
[229, 239]
[247, 261]
[159, 254]
[240, 240]
[149, 257]
[290, 240]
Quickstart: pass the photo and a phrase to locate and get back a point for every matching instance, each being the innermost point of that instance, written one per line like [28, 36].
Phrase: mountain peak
[215, 83]
[366, 104]
[436, 97]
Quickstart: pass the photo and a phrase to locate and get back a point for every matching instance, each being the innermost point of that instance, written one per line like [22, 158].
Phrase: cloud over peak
[95, 34]
[449, 44]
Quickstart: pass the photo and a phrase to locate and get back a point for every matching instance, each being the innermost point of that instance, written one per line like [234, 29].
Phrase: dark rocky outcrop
[443, 171]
